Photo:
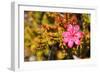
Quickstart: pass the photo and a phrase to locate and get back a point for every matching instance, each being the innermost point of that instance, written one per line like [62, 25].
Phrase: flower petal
[76, 28]
[65, 40]
[65, 34]
[79, 34]
[77, 41]
[70, 43]
[69, 27]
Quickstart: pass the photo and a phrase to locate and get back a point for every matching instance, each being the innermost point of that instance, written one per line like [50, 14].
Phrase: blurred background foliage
[43, 36]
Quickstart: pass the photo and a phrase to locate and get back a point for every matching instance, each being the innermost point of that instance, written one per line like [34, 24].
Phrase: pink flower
[72, 35]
